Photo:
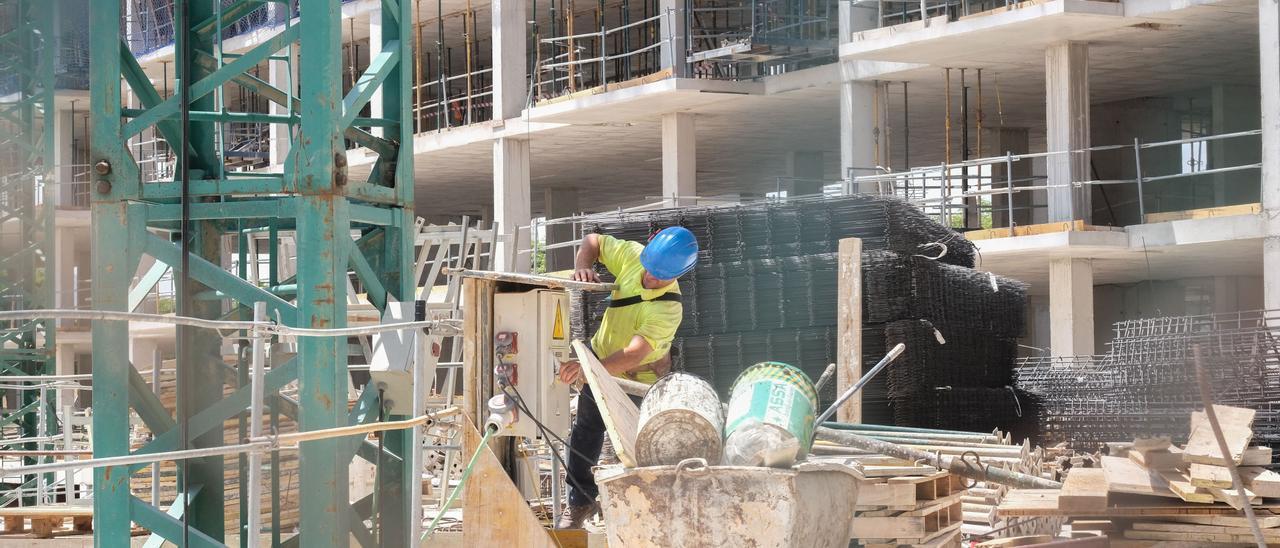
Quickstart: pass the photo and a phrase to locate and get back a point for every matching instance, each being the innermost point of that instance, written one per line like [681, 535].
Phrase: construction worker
[634, 339]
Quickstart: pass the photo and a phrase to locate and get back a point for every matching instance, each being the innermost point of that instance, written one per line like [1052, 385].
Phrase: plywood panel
[620, 414]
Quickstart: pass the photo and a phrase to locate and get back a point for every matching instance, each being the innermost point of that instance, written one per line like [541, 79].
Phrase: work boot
[574, 516]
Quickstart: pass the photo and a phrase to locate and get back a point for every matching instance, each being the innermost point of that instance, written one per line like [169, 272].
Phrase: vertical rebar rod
[256, 381]
[1137, 170]
[979, 120]
[1008, 183]
[906, 131]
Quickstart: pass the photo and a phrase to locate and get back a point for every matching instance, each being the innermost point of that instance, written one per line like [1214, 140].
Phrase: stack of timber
[908, 505]
[140, 482]
[1151, 490]
[886, 488]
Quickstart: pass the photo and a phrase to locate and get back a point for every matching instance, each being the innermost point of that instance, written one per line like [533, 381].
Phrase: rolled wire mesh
[1146, 383]
[765, 288]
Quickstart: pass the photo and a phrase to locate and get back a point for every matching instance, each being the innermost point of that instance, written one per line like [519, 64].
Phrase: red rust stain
[325, 401]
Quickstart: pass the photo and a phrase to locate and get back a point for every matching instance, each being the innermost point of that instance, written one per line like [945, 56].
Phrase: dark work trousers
[585, 440]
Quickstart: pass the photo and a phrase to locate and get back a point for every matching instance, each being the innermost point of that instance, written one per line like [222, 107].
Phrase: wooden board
[620, 414]
[1166, 459]
[1265, 520]
[1126, 476]
[849, 327]
[1151, 444]
[54, 510]
[1259, 480]
[1204, 213]
[1272, 535]
[505, 519]
[1181, 486]
[1044, 502]
[1032, 230]
[1084, 489]
[1236, 423]
[1258, 455]
[1232, 497]
[1183, 536]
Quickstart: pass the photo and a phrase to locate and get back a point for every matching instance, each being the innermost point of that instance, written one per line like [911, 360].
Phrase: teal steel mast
[28, 46]
[314, 197]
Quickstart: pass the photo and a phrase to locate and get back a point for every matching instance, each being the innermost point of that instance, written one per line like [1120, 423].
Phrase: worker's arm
[584, 262]
[622, 361]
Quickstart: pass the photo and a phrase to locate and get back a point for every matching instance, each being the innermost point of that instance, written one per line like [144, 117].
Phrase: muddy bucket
[693, 505]
[770, 418]
[680, 418]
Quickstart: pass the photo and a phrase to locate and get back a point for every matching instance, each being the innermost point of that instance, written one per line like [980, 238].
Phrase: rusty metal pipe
[955, 465]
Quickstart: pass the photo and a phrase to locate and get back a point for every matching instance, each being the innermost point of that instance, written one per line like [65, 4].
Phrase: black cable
[548, 433]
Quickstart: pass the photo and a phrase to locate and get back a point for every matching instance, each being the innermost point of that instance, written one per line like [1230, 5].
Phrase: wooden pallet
[46, 521]
[946, 538]
[906, 492]
[916, 525]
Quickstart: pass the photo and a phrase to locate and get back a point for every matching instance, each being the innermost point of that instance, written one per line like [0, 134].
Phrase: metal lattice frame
[27, 51]
[313, 198]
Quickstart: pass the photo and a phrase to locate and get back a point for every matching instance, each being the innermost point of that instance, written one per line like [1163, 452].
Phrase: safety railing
[897, 12]
[567, 70]
[451, 101]
[990, 192]
[716, 25]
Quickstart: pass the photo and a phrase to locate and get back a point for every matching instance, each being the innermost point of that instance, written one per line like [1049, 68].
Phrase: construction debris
[1149, 492]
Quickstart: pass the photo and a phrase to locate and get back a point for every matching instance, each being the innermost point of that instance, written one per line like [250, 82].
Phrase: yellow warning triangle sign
[557, 331]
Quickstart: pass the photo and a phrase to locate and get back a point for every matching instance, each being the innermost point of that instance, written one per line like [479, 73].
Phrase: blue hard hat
[670, 253]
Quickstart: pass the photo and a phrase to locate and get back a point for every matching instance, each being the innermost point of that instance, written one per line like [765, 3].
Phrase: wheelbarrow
[693, 505]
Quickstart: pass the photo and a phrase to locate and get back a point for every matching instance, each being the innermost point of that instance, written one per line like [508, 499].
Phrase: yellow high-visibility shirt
[656, 321]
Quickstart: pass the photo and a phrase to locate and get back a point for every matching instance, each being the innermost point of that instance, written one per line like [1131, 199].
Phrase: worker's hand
[586, 275]
[570, 372]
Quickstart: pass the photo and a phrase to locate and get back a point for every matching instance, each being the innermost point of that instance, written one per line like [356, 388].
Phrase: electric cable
[466, 473]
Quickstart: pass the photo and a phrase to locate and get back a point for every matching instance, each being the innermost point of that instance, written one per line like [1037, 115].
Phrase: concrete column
[511, 204]
[1235, 108]
[1066, 67]
[560, 202]
[806, 171]
[1269, 56]
[673, 53]
[679, 159]
[285, 77]
[1014, 140]
[510, 78]
[1071, 307]
[857, 98]
[375, 45]
[64, 253]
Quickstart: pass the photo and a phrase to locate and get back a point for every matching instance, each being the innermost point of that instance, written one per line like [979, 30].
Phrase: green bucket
[772, 407]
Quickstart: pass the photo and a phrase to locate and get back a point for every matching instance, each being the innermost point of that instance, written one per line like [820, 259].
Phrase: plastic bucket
[770, 417]
[680, 418]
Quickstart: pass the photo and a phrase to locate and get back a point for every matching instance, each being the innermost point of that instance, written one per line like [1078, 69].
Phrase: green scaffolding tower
[27, 51]
[314, 198]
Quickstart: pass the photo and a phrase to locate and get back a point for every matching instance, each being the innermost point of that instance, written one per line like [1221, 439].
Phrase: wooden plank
[1152, 444]
[530, 279]
[1266, 520]
[1014, 542]
[1126, 476]
[620, 414]
[1208, 475]
[1182, 487]
[1236, 423]
[1190, 537]
[1270, 535]
[506, 519]
[1044, 502]
[1258, 455]
[1232, 497]
[886, 494]
[1204, 213]
[1032, 230]
[1084, 489]
[849, 327]
[897, 471]
[1166, 459]
[1259, 480]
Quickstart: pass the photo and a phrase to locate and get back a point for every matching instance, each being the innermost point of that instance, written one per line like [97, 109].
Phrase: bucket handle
[693, 466]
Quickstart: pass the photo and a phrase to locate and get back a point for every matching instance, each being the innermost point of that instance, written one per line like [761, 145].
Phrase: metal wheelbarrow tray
[692, 505]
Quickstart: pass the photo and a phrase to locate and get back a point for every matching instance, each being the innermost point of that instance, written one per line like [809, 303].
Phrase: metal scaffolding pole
[27, 204]
[314, 202]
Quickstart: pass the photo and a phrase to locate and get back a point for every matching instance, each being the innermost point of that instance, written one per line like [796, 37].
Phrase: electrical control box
[391, 365]
[531, 340]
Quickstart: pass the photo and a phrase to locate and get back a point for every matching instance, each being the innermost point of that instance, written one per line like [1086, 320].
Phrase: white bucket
[680, 418]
